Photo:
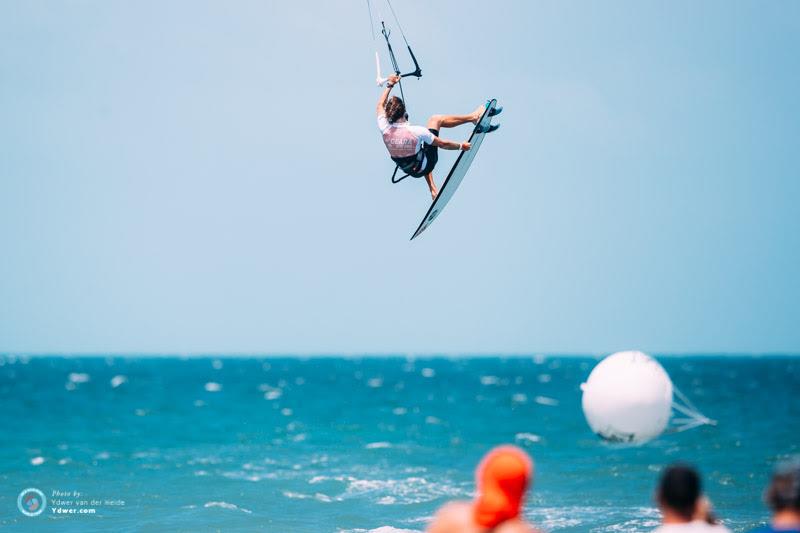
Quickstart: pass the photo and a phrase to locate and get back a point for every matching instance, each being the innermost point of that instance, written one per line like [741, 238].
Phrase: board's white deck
[457, 173]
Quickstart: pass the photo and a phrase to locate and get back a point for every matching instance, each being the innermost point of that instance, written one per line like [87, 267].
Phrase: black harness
[411, 165]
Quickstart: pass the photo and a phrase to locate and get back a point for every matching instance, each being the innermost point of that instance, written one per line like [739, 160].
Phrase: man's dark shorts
[431, 154]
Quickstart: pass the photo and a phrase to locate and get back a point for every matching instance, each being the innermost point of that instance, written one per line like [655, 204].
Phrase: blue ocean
[363, 444]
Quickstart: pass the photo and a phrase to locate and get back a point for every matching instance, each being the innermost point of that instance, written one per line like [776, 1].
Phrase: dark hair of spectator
[679, 489]
[784, 489]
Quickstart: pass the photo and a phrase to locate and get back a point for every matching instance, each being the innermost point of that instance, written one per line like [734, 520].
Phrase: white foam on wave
[527, 437]
[213, 387]
[405, 491]
[382, 529]
[270, 393]
[145, 454]
[377, 445]
[79, 377]
[207, 460]
[226, 505]
[118, 380]
[253, 477]
[635, 525]
[555, 518]
[544, 400]
[319, 496]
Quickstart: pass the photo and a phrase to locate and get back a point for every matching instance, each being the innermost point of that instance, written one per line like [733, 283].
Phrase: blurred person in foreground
[783, 498]
[683, 507]
[502, 478]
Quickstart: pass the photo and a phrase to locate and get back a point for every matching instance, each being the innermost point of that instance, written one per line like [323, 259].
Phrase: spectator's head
[503, 477]
[783, 493]
[679, 491]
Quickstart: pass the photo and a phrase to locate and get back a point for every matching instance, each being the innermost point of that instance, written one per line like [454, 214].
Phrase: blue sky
[207, 177]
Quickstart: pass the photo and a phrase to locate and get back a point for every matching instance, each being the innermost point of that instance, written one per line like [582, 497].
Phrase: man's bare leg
[431, 185]
[438, 122]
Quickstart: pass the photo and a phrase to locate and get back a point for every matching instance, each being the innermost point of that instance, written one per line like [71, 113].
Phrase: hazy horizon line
[383, 355]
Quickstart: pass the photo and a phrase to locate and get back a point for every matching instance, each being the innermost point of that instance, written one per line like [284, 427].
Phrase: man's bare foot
[478, 113]
[434, 193]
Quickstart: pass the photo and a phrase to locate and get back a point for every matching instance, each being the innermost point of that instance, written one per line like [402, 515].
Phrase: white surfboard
[458, 171]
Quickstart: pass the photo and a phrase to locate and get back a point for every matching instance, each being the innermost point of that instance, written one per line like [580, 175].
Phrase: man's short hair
[395, 109]
[784, 489]
[679, 489]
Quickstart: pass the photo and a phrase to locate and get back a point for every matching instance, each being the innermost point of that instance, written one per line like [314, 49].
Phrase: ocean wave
[250, 476]
[382, 529]
[527, 438]
[79, 377]
[377, 445]
[226, 505]
[404, 491]
[605, 519]
[319, 496]
[544, 400]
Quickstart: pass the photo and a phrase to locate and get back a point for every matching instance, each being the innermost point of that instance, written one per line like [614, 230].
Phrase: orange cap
[502, 477]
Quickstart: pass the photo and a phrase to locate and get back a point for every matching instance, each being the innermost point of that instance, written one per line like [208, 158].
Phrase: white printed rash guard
[402, 139]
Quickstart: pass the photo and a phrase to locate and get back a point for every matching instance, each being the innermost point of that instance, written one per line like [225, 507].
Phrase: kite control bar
[417, 72]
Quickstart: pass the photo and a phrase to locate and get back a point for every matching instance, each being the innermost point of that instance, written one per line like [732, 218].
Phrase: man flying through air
[416, 149]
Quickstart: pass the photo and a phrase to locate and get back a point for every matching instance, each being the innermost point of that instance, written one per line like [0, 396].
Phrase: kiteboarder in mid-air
[414, 148]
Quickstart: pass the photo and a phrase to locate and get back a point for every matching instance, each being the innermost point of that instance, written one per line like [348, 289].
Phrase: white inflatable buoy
[628, 398]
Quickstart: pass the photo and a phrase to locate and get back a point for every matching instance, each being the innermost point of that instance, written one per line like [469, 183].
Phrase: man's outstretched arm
[385, 94]
[451, 145]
